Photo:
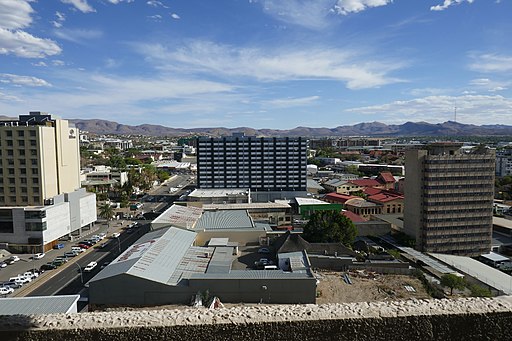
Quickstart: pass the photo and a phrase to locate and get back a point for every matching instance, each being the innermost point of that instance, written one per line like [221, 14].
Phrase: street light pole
[81, 276]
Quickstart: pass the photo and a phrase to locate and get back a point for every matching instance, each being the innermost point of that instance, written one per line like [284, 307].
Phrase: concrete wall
[260, 290]
[373, 228]
[418, 320]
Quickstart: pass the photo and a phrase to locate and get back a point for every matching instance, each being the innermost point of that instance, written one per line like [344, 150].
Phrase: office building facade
[260, 164]
[40, 195]
[504, 162]
[449, 198]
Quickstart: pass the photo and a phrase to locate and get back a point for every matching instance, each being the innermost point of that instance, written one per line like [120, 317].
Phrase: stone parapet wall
[462, 319]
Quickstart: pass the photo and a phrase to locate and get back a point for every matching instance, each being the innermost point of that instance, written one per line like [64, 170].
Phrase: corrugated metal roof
[252, 274]
[38, 305]
[484, 273]
[247, 206]
[181, 216]
[221, 220]
[310, 201]
[155, 256]
[221, 260]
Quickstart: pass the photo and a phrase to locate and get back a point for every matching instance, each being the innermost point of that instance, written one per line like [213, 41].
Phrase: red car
[84, 246]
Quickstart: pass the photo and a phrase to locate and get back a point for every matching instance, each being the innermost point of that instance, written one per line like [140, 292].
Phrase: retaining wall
[463, 319]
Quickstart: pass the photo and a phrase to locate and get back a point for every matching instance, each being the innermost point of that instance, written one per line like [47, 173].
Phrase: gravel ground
[366, 287]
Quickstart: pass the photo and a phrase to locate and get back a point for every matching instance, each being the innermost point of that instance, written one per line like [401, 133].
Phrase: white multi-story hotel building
[40, 195]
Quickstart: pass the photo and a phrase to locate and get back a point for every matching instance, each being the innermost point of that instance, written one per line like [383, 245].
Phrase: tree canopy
[329, 227]
[453, 282]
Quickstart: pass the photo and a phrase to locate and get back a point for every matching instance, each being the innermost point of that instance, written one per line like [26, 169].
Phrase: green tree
[453, 282]
[106, 212]
[330, 227]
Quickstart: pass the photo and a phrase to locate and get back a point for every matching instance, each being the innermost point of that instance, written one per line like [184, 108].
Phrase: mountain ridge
[376, 129]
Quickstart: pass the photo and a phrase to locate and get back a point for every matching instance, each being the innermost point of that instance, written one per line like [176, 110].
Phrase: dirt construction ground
[366, 287]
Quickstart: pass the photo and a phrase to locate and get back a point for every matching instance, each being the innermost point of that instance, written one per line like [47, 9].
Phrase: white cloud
[40, 64]
[9, 98]
[315, 14]
[15, 14]
[23, 44]
[279, 64]
[345, 7]
[115, 2]
[78, 35]
[292, 102]
[448, 3]
[81, 5]
[58, 62]
[156, 17]
[61, 17]
[491, 63]
[489, 85]
[475, 109]
[8, 78]
[175, 16]
[155, 3]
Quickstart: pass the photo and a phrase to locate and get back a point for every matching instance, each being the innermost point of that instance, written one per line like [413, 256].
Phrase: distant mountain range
[375, 129]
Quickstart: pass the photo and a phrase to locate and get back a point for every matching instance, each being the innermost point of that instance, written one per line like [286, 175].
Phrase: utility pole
[81, 275]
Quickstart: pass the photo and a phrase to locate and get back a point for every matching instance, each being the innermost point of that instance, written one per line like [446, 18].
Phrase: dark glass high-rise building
[256, 163]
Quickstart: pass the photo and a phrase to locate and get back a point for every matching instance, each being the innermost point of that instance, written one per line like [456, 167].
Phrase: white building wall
[88, 211]
[58, 222]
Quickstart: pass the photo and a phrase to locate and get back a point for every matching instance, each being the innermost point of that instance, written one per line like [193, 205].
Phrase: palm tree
[106, 212]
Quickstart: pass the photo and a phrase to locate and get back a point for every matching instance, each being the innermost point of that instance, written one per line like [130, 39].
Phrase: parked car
[58, 246]
[22, 279]
[86, 242]
[116, 235]
[102, 235]
[3, 264]
[264, 250]
[12, 260]
[59, 261]
[104, 265]
[78, 249]
[6, 290]
[90, 266]
[39, 255]
[13, 284]
[48, 266]
[84, 246]
[31, 274]
[70, 254]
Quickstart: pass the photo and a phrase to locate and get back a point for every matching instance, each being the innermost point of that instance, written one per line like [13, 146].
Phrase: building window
[34, 171]
[23, 171]
[35, 190]
[33, 152]
[32, 133]
[12, 181]
[21, 152]
[8, 133]
[35, 180]
[11, 171]
[35, 214]
[33, 143]
[9, 143]
[33, 162]
[35, 226]
[10, 152]
[21, 133]
[23, 162]
[24, 199]
[35, 199]
[21, 143]
[12, 198]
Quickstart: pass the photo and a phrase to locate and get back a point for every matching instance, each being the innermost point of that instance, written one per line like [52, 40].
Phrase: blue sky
[258, 63]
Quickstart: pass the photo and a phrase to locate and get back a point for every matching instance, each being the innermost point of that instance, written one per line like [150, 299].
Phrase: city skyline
[257, 63]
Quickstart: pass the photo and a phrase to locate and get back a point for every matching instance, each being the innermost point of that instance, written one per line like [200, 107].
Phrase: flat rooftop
[218, 192]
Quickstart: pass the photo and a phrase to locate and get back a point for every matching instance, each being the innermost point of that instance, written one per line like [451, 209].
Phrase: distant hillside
[362, 129]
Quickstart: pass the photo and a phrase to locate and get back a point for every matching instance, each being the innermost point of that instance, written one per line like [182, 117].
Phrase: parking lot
[57, 257]
[248, 256]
